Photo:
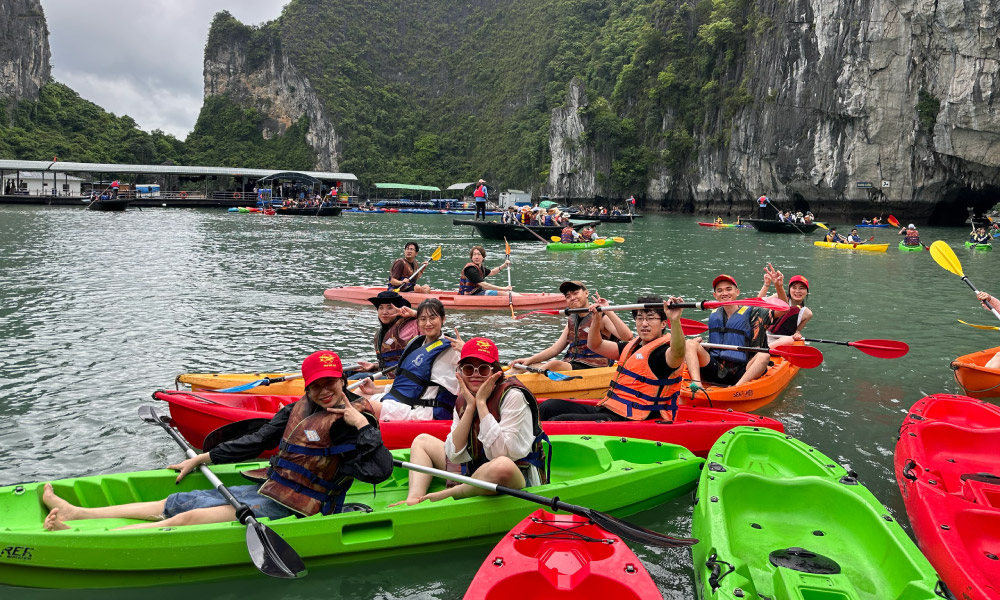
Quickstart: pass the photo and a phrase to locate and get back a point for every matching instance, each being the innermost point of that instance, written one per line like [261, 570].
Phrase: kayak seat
[979, 531]
[958, 410]
[771, 456]
[956, 451]
[639, 453]
[764, 514]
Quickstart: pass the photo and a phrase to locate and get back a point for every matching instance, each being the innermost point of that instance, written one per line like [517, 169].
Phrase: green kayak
[906, 248]
[608, 474]
[980, 247]
[602, 243]
[777, 519]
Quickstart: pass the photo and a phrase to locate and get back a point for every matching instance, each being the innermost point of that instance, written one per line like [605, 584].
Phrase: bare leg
[427, 451]
[695, 357]
[198, 516]
[785, 340]
[148, 511]
[376, 407]
[422, 289]
[994, 363]
[755, 368]
[501, 471]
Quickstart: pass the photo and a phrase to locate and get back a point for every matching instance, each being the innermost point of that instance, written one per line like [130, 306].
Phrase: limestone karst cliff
[24, 50]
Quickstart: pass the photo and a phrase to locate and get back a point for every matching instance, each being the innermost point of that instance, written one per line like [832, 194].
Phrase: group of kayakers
[404, 273]
[980, 236]
[834, 237]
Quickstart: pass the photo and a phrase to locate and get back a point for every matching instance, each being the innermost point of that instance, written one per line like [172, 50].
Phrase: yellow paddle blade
[945, 256]
[555, 238]
[822, 225]
[600, 242]
[619, 240]
[436, 255]
[983, 327]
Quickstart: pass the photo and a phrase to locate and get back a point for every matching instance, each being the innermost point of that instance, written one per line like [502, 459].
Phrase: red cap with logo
[798, 279]
[724, 277]
[317, 365]
[481, 348]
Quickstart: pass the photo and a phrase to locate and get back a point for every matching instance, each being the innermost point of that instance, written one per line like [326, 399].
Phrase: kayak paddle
[806, 357]
[877, 348]
[553, 375]
[269, 552]
[540, 238]
[269, 380]
[510, 292]
[984, 327]
[435, 256]
[769, 303]
[617, 526]
[945, 256]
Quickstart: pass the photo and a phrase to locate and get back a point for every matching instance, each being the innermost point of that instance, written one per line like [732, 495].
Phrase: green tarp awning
[406, 186]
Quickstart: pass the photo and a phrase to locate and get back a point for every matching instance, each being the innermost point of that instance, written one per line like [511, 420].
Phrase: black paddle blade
[147, 414]
[231, 431]
[271, 554]
[635, 533]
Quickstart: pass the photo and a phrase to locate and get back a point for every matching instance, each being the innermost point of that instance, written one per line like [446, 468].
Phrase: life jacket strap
[329, 503]
[648, 380]
[654, 406]
[307, 451]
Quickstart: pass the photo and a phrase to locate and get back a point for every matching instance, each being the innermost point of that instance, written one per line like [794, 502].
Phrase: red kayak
[549, 556]
[948, 468]
[196, 414]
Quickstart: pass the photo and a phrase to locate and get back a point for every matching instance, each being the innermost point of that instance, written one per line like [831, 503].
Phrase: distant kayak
[980, 247]
[974, 378]
[906, 248]
[862, 247]
[559, 556]
[359, 294]
[724, 225]
[879, 225]
[595, 245]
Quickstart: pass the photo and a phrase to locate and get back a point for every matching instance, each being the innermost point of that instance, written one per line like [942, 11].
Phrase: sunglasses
[483, 370]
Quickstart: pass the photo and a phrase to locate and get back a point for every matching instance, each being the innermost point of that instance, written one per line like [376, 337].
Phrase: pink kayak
[359, 294]
[196, 414]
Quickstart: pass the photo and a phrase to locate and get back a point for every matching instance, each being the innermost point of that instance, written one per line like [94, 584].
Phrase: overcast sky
[142, 58]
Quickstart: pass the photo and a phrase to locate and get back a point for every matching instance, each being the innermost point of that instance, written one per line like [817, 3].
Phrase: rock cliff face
[575, 162]
[898, 96]
[24, 50]
[261, 76]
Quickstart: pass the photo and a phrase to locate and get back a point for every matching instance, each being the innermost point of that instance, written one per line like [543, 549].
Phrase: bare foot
[435, 496]
[407, 502]
[66, 510]
[53, 523]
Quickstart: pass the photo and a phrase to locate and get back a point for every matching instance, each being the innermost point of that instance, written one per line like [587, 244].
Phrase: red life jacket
[479, 193]
[536, 458]
[466, 287]
[587, 235]
[304, 475]
[636, 391]
[578, 350]
[389, 346]
[566, 237]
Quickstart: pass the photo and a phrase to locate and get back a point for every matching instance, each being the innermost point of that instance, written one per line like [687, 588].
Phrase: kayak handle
[908, 469]
[714, 563]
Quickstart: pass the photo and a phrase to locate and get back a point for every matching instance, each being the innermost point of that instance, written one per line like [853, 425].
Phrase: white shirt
[442, 373]
[511, 437]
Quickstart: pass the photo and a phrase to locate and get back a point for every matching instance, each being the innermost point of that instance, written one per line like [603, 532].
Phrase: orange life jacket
[466, 287]
[566, 237]
[636, 391]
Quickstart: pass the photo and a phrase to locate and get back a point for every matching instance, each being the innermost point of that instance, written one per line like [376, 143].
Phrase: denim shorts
[262, 506]
[491, 293]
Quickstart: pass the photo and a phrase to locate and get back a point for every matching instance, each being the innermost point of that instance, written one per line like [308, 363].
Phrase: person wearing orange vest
[575, 334]
[496, 434]
[481, 195]
[648, 379]
[912, 235]
[325, 443]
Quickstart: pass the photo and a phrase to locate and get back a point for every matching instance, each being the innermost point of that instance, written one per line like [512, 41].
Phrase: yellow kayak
[593, 383]
[862, 247]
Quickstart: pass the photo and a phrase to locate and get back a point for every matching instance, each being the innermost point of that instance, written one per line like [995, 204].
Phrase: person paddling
[989, 302]
[472, 282]
[786, 326]
[854, 238]
[425, 386]
[397, 326]
[732, 325]
[401, 275]
[495, 436]
[647, 382]
[575, 334]
[325, 443]
[568, 234]
[979, 236]
[912, 235]
[835, 237]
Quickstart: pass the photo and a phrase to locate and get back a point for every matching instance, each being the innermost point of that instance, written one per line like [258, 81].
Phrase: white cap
[911, 226]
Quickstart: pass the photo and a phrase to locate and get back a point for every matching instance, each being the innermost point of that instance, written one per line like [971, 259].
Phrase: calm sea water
[98, 310]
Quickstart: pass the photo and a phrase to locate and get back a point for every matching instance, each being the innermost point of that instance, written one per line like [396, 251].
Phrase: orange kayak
[746, 397]
[974, 378]
[359, 294]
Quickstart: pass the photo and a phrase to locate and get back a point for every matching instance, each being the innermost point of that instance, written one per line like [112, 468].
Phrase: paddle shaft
[540, 238]
[703, 305]
[510, 292]
[986, 303]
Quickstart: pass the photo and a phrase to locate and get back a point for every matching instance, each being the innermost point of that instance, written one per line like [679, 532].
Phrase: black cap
[568, 286]
[389, 297]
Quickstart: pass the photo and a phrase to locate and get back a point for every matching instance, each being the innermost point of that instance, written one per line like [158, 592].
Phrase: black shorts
[577, 365]
[710, 373]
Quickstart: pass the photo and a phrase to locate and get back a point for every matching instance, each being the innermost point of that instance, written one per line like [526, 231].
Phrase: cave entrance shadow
[957, 206]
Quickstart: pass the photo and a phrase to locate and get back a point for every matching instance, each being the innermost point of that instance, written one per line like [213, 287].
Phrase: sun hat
[568, 286]
[389, 297]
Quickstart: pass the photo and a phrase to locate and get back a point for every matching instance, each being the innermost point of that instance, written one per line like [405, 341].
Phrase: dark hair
[481, 251]
[431, 305]
[416, 246]
[650, 300]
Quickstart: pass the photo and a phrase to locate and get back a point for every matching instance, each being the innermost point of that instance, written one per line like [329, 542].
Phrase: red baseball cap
[317, 365]
[481, 348]
[798, 279]
[724, 277]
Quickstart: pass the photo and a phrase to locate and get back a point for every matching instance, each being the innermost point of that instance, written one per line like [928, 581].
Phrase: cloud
[142, 58]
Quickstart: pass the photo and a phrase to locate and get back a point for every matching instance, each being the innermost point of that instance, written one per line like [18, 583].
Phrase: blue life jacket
[413, 377]
[733, 331]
